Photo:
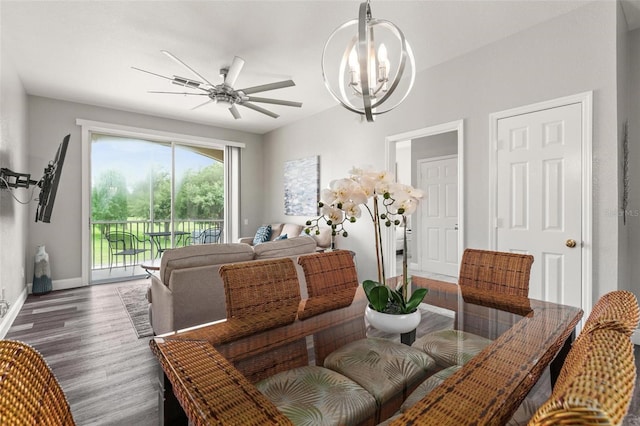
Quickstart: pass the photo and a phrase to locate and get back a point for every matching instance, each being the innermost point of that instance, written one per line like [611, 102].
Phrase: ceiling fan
[224, 93]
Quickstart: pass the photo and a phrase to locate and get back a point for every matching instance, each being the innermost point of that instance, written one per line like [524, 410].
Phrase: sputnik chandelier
[364, 62]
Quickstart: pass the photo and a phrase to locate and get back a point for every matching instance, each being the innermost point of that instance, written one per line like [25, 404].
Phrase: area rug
[135, 302]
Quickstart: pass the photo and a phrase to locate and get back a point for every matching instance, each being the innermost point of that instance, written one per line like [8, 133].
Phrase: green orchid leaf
[378, 297]
[416, 299]
[367, 285]
[397, 298]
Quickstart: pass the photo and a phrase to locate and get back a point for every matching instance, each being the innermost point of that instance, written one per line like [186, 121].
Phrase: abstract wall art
[301, 186]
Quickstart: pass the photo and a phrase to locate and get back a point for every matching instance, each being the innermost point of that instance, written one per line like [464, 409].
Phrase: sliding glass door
[148, 196]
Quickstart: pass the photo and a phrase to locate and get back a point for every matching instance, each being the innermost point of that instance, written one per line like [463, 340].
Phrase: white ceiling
[83, 51]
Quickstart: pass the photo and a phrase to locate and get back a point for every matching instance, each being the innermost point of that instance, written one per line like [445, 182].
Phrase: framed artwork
[302, 186]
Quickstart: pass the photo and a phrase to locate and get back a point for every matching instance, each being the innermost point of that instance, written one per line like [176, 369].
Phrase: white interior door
[438, 215]
[539, 198]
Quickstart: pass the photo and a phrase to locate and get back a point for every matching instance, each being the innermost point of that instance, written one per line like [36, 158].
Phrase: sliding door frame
[88, 127]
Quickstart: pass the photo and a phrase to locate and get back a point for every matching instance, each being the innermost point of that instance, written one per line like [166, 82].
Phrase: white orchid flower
[367, 185]
[409, 205]
[379, 175]
[342, 189]
[352, 210]
[334, 214]
[382, 187]
[359, 196]
[414, 192]
[328, 197]
[357, 171]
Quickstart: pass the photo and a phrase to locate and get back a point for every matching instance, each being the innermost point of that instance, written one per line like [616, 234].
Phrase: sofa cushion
[276, 229]
[202, 255]
[285, 248]
[291, 229]
[263, 234]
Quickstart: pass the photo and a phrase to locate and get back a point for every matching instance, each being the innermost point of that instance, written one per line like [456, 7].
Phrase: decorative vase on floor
[393, 323]
[41, 272]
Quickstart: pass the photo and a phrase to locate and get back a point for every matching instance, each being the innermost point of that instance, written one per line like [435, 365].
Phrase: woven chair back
[253, 288]
[616, 310]
[494, 271]
[29, 392]
[596, 382]
[331, 279]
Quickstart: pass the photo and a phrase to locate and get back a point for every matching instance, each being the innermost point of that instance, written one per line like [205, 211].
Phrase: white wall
[623, 84]
[571, 54]
[633, 220]
[13, 215]
[50, 120]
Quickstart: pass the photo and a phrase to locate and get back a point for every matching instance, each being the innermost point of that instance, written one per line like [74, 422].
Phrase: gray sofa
[188, 289]
[323, 240]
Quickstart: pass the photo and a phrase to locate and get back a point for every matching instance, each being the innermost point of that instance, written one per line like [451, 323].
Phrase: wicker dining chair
[600, 373]
[29, 392]
[492, 272]
[265, 294]
[331, 279]
[616, 310]
[495, 271]
[268, 289]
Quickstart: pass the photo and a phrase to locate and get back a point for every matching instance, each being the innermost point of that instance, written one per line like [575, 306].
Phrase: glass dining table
[207, 373]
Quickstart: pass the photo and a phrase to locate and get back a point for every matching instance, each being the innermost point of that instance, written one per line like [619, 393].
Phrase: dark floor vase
[41, 272]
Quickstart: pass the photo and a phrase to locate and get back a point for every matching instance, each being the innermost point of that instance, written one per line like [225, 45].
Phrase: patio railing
[187, 231]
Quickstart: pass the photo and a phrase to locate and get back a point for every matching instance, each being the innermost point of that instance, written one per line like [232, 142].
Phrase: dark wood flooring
[107, 373]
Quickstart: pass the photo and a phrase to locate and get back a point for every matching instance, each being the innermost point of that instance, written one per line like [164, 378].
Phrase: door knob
[571, 243]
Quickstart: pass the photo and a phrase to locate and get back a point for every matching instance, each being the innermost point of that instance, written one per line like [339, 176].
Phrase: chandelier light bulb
[367, 63]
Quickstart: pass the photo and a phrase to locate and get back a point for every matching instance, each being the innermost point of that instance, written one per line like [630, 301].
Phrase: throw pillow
[281, 237]
[263, 234]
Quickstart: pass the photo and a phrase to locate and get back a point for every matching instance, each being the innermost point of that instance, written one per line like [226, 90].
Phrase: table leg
[169, 409]
[558, 361]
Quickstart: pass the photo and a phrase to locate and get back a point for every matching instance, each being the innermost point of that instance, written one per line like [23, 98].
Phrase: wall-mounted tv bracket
[11, 179]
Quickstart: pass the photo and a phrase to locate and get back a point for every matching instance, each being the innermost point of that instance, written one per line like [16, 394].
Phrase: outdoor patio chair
[122, 243]
[206, 236]
[29, 392]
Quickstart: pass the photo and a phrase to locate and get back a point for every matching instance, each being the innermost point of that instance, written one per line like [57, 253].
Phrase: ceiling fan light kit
[224, 93]
[368, 62]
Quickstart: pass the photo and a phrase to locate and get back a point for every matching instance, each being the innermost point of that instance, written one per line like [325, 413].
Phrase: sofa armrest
[161, 307]
[198, 296]
[246, 240]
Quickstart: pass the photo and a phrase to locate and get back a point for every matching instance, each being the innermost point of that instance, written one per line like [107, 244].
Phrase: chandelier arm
[401, 65]
[364, 45]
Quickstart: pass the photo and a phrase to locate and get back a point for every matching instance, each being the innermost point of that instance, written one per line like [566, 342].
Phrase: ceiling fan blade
[235, 112]
[275, 101]
[260, 109]
[178, 93]
[202, 104]
[234, 71]
[172, 56]
[265, 87]
[153, 73]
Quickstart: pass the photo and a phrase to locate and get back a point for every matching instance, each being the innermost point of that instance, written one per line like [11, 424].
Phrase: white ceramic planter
[392, 323]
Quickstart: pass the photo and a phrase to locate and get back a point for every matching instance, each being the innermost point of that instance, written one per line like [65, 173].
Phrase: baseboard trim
[635, 337]
[12, 314]
[62, 284]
